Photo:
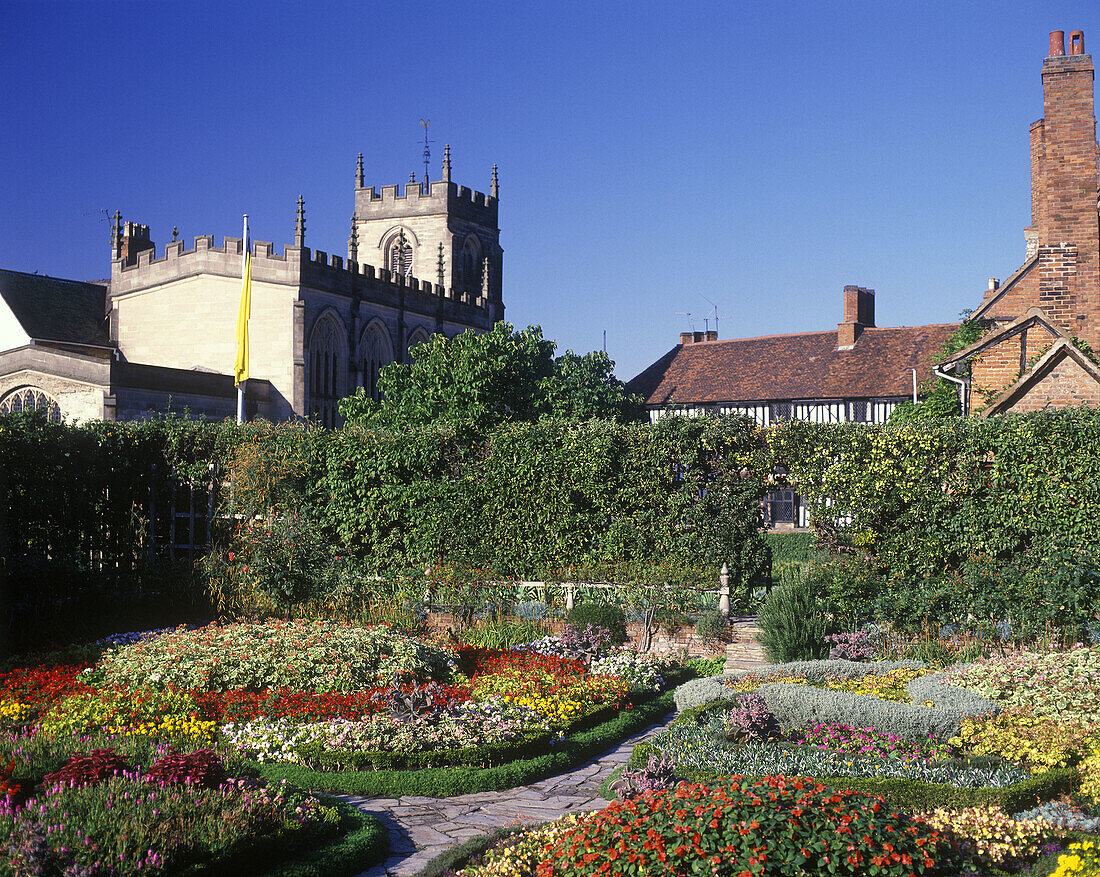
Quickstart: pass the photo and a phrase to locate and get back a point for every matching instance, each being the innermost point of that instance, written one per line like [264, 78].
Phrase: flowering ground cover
[113, 735]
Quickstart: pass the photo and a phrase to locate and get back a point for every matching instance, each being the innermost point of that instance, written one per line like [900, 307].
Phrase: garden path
[421, 828]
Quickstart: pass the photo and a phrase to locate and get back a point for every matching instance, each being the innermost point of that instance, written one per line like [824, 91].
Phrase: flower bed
[316, 695]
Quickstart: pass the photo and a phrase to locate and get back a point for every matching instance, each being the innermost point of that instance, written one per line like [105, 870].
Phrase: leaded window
[327, 356]
[31, 399]
[377, 354]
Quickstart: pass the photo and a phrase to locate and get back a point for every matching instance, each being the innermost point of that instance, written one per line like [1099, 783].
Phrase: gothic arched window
[377, 354]
[471, 262]
[327, 369]
[31, 399]
[399, 254]
[420, 336]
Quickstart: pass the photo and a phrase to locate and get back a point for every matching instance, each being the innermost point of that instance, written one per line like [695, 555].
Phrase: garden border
[571, 751]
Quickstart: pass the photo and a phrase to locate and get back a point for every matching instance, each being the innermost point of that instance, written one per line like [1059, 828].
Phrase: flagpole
[244, 268]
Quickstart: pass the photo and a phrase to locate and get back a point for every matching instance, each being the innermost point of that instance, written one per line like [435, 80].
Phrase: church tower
[436, 231]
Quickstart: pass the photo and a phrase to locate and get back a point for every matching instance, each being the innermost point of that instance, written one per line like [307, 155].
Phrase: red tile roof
[803, 366]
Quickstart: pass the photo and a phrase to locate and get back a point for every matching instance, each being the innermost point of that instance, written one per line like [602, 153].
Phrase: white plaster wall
[11, 332]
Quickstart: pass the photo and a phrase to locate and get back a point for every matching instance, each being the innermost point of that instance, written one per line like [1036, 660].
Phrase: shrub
[857, 646]
[87, 769]
[610, 618]
[202, 768]
[792, 624]
[712, 626]
[774, 826]
[305, 655]
[659, 773]
[587, 644]
[796, 706]
[697, 692]
[750, 719]
[990, 836]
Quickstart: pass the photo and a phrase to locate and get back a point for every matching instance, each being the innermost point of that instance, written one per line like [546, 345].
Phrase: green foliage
[306, 655]
[941, 510]
[479, 381]
[361, 841]
[713, 626]
[940, 397]
[574, 749]
[609, 617]
[792, 624]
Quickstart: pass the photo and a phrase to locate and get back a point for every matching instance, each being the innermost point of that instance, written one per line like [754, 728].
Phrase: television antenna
[691, 322]
[427, 149]
[708, 318]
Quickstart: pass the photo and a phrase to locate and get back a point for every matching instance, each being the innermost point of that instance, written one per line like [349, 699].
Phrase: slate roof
[54, 309]
[802, 366]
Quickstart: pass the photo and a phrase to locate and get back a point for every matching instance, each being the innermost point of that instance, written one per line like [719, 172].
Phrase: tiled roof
[802, 366]
[53, 309]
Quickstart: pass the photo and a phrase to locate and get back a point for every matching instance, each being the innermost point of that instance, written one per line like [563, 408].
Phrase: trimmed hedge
[458, 857]
[443, 782]
[363, 842]
[360, 842]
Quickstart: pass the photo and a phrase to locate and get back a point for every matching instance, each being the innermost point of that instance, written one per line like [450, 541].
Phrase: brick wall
[1067, 384]
[1064, 195]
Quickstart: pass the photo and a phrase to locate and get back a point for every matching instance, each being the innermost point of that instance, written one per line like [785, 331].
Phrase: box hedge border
[360, 843]
[442, 782]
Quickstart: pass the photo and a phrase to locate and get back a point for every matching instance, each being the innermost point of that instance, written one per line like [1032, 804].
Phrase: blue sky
[654, 157]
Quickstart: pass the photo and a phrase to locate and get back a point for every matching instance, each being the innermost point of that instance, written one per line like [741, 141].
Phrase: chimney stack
[134, 241]
[859, 314]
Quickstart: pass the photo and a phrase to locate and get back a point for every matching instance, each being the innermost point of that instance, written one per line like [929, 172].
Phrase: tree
[479, 381]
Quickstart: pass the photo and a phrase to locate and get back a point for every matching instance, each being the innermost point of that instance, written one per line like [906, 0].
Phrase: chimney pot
[994, 284]
[685, 337]
[1077, 42]
[712, 334]
[1057, 43]
[697, 337]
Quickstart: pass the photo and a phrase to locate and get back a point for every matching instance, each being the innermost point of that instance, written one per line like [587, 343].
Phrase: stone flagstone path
[421, 828]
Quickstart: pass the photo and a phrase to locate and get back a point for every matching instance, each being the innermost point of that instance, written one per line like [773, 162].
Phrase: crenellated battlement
[414, 199]
[295, 266]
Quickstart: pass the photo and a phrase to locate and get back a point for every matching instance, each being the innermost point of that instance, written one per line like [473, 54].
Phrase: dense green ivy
[935, 506]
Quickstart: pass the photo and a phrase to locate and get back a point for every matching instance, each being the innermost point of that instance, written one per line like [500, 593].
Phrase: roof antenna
[427, 151]
[691, 322]
[716, 317]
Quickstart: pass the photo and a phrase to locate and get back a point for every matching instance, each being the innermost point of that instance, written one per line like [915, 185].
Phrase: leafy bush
[310, 655]
[792, 624]
[125, 826]
[857, 646]
[772, 826]
[602, 615]
[89, 769]
[659, 773]
[990, 836]
[750, 719]
[203, 768]
[712, 626]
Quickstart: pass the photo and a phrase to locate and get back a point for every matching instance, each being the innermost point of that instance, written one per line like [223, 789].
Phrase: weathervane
[427, 150]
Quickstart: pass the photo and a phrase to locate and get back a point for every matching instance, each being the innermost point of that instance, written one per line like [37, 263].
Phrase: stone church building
[160, 334]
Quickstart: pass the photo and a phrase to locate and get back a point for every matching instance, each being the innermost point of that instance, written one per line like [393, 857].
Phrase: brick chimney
[136, 240]
[1064, 183]
[859, 314]
[698, 337]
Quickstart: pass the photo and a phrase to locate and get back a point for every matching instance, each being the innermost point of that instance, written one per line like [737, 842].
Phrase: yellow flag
[243, 313]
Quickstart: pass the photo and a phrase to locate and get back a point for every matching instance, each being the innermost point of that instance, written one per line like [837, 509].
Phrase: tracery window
[417, 337]
[377, 354]
[31, 399]
[327, 358]
[399, 255]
